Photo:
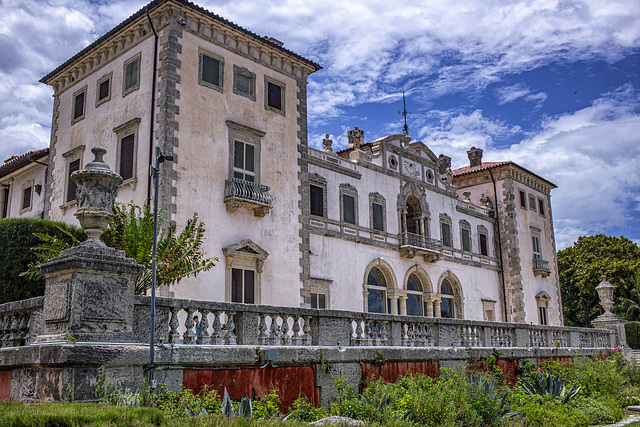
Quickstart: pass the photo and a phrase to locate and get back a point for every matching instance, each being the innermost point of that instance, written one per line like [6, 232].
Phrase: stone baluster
[203, 336]
[189, 335]
[422, 335]
[22, 327]
[357, 339]
[368, 333]
[274, 339]
[3, 330]
[286, 339]
[262, 327]
[217, 336]
[307, 339]
[384, 333]
[14, 336]
[296, 339]
[174, 335]
[230, 338]
[28, 333]
[405, 334]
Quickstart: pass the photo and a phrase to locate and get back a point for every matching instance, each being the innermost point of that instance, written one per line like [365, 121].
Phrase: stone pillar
[394, 304]
[438, 312]
[429, 305]
[89, 289]
[403, 305]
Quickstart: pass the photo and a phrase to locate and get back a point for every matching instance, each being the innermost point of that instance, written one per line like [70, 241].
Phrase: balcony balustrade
[240, 193]
[541, 267]
[412, 244]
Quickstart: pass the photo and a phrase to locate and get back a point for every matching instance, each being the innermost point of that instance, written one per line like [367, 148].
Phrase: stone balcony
[240, 193]
[412, 244]
[541, 267]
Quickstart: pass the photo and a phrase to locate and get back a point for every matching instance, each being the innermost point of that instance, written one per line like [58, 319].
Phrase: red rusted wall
[509, 370]
[290, 381]
[391, 371]
[5, 386]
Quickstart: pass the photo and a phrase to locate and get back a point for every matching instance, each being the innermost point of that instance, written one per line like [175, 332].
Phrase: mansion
[382, 226]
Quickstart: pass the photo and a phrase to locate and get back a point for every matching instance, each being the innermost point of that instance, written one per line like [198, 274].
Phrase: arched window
[377, 287]
[414, 296]
[447, 307]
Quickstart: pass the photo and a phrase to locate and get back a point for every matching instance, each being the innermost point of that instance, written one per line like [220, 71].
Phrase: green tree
[131, 230]
[581, 266]
[18, 237]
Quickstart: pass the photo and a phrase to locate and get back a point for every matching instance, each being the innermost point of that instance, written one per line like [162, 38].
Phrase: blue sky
[553, 85]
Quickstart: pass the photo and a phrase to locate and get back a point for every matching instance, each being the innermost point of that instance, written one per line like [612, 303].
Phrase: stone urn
[96, 192]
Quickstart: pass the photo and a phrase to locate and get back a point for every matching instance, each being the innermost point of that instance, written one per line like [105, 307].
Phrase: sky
[552, 85]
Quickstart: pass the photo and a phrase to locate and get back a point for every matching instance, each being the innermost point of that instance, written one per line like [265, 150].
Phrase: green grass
[16, 414]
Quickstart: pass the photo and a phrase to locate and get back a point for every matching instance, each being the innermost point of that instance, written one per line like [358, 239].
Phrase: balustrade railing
[20, 321]
[251, 192]
[228, 324]
[541, 265]
[420, 241]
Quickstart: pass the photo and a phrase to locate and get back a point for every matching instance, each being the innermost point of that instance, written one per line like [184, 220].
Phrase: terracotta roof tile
[193, 6]
[14, 163]
[490, 165]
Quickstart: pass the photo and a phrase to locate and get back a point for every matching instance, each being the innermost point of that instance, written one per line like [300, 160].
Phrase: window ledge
[68, 205]
[541, 268]
[132, 182]
[414, 244]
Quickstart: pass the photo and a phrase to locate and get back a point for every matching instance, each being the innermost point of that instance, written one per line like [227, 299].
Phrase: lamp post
[155, 169]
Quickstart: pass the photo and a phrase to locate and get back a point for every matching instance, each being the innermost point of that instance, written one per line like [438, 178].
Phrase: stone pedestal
[615, 323]
[89, 295]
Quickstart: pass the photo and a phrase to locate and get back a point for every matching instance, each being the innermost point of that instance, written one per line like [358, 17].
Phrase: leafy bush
[633, 334]
[546, 384]
[547, 411]
[601, 376]
[598, 410]
[267, 407]
[304, 410]
[18, 239]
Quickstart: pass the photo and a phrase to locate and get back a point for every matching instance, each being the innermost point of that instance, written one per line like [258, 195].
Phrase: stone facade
[379, 226]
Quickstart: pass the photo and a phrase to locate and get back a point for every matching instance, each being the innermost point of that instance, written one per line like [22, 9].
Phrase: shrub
[16, 253]
[304, 410]
[547, 411]
[601, 376]
[598, 410]
[633, 334]
[267, 407]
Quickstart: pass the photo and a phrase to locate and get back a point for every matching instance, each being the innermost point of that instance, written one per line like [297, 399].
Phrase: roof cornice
[197, 20]
[507, 169]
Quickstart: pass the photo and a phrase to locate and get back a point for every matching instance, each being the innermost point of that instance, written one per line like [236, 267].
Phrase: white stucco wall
[28, 176]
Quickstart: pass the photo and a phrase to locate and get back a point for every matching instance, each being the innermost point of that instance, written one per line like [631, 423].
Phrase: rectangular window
[242, 286]
[466, 240]
[536, 247]
[78, 106]
[26, 198]
[523, 199]
[446, 234]
[210, 70]
[71, 186]
[131, 78]
[126, 156]
[5, 202]
[103, 90]
[244, 161]
[484, 248]
[244, 82]
[349, 209]
[274, 96]
[543, 315]
[317, 200]
[541, 207]
[318, 301]
[377, 214]
[532, 203]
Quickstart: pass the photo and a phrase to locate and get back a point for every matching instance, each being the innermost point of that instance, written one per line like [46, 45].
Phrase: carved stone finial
[486, 202]
[356, 137]
[467, 196]
[95, 194]
[605, 292]
[327, 144]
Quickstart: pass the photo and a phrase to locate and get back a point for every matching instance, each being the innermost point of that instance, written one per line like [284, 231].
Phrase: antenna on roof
[404, 112]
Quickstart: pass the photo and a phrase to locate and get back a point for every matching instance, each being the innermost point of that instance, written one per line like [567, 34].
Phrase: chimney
[356, 137]
[475, 156]
[444, 164]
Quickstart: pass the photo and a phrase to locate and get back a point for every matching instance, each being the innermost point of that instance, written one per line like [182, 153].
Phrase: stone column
[438, 312]
[429, 307]
[89, 289]
[394, 304]
[403, 305]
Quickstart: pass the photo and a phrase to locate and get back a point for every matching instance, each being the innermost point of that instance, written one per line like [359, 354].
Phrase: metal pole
[155, 176]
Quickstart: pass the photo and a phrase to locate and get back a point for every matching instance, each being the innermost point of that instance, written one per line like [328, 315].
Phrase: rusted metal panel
[5, 385]
[391, 371]
[291, 382]
[509, 370]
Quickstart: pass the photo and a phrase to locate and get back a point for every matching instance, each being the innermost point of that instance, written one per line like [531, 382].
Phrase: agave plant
[245, 409]
[547, 385]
